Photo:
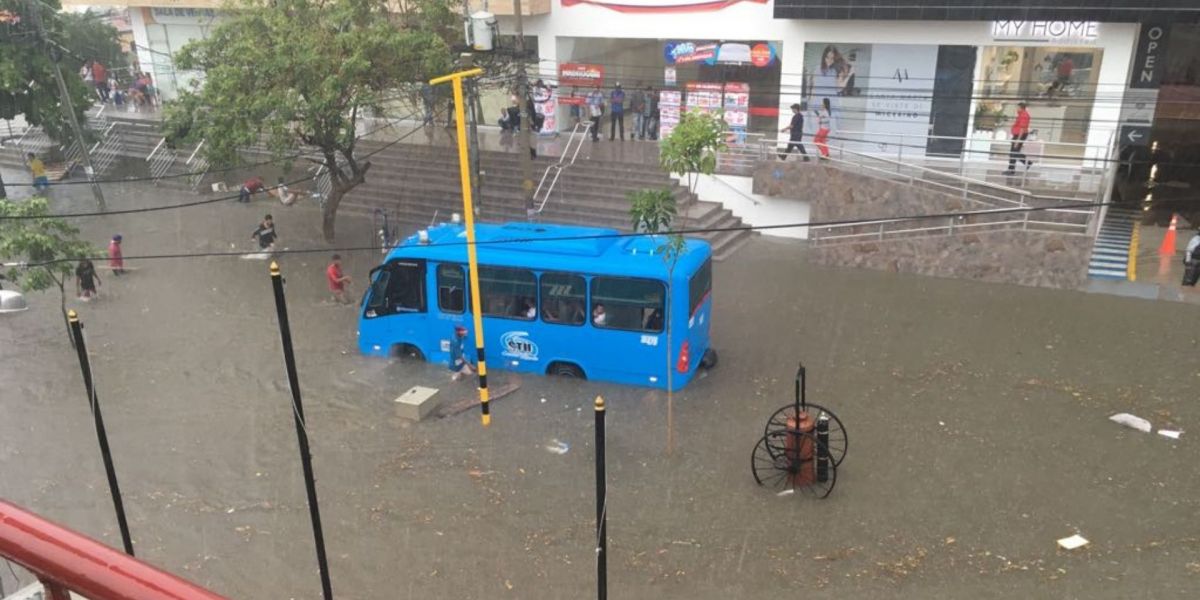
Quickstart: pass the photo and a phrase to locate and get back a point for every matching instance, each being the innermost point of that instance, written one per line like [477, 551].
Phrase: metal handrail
[578, 135]
[160, 144]
[192, 157]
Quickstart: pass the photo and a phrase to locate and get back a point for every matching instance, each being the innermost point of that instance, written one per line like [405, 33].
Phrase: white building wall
[752, 21]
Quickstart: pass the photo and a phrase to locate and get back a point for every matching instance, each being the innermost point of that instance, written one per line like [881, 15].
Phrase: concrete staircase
[414, 182]
[1110, 254]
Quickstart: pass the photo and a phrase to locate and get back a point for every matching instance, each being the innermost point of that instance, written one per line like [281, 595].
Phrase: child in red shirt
[337, 280]
[116, 261]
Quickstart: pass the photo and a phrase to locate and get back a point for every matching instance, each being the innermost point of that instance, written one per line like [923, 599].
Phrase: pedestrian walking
[459, 365]
[116, 261]
[650, 100]
[595, 102]
[1019, 131]
[86, 280]
[824, 123]
[337, 280]
[38, 170]
[265, 234]
[250, 187]
[795, 132]
[616, 111]
[100, 77]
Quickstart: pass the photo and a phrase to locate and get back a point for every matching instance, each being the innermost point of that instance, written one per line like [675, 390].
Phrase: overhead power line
[619, 235]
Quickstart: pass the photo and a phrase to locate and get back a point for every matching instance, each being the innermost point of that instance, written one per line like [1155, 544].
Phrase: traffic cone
[1168, 245]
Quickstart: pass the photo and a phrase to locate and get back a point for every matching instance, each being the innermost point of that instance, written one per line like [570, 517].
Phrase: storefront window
[1058, 83]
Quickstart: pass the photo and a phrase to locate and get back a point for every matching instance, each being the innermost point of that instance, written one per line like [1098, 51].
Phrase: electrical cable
[1078, 206]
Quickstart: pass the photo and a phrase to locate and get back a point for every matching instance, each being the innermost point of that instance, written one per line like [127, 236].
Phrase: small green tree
[302, 73]
[652, 212]
[691, 148]
[30, 234]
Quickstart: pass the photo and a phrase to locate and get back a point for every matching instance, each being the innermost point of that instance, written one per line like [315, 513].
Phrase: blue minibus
[580, 302]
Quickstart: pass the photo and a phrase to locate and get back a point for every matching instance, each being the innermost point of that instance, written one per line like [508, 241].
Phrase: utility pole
[527, 123]
[472, 90]
[55, 56]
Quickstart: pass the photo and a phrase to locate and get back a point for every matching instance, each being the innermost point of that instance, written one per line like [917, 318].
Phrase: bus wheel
[564, 369]
[407, 352]
[709, 360]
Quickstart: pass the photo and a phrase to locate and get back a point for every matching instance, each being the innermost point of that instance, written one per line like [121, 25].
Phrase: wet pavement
[977, 416]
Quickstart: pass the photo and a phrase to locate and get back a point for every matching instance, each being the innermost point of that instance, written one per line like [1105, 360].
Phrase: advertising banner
[545, 102]
[669, 104]
[580, 75]
[758, 54]
[878, 94]
[661, 6]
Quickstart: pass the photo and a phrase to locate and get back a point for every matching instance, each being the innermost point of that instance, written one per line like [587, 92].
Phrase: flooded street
[977, 416]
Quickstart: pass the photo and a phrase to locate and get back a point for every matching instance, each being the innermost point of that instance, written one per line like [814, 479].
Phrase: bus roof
[551, 247]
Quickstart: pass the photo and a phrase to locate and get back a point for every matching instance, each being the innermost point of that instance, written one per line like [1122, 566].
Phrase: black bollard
[601, 508]
[85, 364]
[823, 448]
[289, 359]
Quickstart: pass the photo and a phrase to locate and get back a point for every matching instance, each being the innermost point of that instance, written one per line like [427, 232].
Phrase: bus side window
[452, 287]
[507, 292]
[699, 286]
[564, 298]
[630, 304]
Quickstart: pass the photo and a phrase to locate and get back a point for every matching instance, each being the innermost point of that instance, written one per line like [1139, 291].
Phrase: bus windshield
[400, 287]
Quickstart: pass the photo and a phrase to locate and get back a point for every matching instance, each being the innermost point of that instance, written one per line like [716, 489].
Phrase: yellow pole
[455, 80]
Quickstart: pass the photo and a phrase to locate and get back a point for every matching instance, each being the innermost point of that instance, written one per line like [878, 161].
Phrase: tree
[653, 211]
[27, 85]
[30, 234]
[302, 73]
[87, 37]
[691, 148]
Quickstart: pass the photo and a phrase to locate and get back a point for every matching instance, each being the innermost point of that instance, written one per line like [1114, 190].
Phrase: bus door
[397, 302]
[627, 316]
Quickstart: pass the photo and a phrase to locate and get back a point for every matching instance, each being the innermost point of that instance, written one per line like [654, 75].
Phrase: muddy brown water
[977, 416]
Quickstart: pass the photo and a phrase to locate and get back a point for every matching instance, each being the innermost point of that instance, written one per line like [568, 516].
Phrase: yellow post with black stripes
[460, 119]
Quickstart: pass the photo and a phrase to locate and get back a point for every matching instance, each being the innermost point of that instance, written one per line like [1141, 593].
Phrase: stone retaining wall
[1033, 258]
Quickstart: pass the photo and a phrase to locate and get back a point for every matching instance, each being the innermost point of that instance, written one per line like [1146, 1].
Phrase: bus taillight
[682, 364]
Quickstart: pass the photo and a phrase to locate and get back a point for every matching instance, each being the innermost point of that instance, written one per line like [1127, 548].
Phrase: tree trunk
[341, 186]
[670, 377]
[329, 214]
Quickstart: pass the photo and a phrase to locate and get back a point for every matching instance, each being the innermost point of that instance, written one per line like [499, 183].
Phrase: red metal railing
[64, 560]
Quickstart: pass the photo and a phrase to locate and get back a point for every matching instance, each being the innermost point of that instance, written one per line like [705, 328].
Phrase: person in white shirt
[599, 317]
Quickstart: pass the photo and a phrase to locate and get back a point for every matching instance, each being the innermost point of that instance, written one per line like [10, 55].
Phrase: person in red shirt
[252, 186]
[116, 261]
[1020, 131]
[337, 280]
[100, 79]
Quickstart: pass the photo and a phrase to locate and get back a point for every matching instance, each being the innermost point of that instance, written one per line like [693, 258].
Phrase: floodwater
[977, 418]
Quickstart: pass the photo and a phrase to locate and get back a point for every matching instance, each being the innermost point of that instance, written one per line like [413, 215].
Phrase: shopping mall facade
[1096, 73]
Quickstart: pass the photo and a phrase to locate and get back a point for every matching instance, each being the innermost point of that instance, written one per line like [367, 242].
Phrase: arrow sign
[1135, 135]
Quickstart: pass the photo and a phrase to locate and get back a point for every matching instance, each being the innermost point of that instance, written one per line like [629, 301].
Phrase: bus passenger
[459, 365]
[530, 309]
[599, 317]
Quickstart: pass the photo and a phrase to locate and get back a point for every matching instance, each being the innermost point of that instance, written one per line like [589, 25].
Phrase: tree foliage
[691, 148]
[302, 73]
[27, 85]
[30, 234]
